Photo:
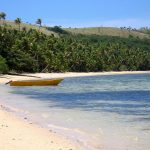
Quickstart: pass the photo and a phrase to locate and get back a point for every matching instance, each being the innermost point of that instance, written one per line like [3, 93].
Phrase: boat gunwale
[37, 80]
[42, 82]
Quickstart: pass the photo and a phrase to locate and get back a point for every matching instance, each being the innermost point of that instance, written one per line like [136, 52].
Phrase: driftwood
[17, 74]
[8, 82]
[2, 76]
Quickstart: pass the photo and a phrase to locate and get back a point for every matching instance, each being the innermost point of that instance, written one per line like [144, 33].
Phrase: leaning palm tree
[39, 22]
[18, 22]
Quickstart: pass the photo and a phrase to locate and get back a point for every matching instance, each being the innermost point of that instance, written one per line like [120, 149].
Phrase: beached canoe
[40, 82]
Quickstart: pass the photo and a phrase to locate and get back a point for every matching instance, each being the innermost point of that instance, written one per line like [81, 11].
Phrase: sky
[80, 13]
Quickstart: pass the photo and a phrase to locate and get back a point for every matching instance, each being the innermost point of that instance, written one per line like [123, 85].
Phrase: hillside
[33, 51]
[108, 31]
[145, 30]
[101, 31]
[11, 24]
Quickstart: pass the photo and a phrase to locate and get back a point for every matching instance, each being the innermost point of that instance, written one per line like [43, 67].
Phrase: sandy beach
[17, 134]
[6, 78]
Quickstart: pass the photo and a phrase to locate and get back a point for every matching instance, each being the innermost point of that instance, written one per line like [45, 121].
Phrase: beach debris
[18, 74]
[8, 82]
[4, 125]
[1, 76]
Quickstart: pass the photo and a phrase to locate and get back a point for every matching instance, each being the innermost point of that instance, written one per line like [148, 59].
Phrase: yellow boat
[40, 82]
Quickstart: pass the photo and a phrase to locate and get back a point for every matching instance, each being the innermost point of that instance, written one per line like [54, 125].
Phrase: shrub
[3, 65]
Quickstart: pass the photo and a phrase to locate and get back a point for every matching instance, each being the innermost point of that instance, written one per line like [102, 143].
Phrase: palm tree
[2, 16]
[18, 22]
[39, 22]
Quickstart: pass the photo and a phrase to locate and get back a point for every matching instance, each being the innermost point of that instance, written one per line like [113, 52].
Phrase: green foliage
[3, 65]
[39, 22]
[33, 51]
[18, 21]
[2, 15]
[57, 29]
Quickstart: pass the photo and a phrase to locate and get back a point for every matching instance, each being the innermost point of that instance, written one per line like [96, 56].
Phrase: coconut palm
[39, 22]
[18, 22]
[2, 16]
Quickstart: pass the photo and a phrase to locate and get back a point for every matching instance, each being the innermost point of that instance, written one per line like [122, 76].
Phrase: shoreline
[6, 78]
[19, 134]
[31, 134]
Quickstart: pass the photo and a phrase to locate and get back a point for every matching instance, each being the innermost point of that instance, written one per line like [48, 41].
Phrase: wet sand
[19, 134]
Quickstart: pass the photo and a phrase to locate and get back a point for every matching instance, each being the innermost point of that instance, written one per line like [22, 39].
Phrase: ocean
[110, 112]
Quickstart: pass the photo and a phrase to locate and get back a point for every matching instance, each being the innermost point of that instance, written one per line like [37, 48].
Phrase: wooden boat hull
[46, 82]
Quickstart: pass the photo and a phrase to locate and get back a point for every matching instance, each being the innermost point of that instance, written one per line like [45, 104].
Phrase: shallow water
[102, 112]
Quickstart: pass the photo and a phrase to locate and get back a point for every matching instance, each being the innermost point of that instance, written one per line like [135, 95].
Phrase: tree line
[33, 51]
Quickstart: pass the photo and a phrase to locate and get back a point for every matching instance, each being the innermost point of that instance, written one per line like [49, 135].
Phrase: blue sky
[80, 13]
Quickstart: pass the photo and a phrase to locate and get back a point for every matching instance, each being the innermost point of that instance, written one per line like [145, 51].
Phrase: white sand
[7, 78]
[17, 134]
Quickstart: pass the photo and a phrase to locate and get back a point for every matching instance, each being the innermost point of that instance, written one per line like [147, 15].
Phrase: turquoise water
[102, 112]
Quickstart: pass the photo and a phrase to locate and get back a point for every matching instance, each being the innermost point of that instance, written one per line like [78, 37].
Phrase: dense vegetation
[33, 51]
[3, 65]
[57, 29]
